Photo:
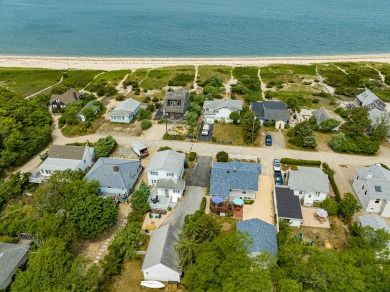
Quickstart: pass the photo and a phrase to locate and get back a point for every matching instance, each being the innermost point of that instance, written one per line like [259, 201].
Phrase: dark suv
[278, 177]
[268, 140]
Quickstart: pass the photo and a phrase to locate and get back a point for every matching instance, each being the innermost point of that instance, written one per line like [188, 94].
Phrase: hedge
[192, 156]
[291, 161]
[203, 204]
[330, 172]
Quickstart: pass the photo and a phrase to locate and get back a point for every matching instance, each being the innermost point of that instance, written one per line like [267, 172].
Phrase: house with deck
[220, 109]
[275, 111]
[63, 157]
[175, 105]
[166, 194]
[310, 184]
[263, 235]
[117, 177]
[287, 206]
[372, 187]
[231, 180]
[12, 257]
[161, 262]
[59, 101]
[93, 106]
[125, 111]
[368, 100]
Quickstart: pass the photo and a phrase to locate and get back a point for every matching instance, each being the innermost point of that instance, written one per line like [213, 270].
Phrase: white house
[61, 158]
[310, 184]
[372, 187]
[161, 260]
[125, 111]
[287, 206]
[220, 109]
[165, 164]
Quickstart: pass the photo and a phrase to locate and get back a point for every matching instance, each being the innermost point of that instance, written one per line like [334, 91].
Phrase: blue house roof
[263, 234]
[234, 175]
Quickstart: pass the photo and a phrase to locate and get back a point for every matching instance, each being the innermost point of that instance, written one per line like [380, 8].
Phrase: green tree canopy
[250, 127]
[104, 146]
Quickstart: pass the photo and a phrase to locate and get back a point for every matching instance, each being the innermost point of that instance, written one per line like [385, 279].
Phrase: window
[377, 201]
[175, 191]
[363, 187]
[244, 192]
[365, 192]
[154, 181]
[317, 194]
[173, 102]
[153, 173]
[169, 174]
[85, 161]
[378, 189]
[301, 192]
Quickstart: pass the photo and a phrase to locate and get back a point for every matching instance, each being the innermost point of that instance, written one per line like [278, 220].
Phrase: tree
[303, 135]
[235, 116]
[192, 118]
[250, 127]
[214, 81]
[139, 201]
[104, 146]
[146, 124]
[222, 156]
[381, 127]
[94, 215]
[328, 125]
[309, 141]
[349, 206]
[357, 121]
[330, 205]
[163, 148]
[293, 103]
[89, 114]
[144, 114]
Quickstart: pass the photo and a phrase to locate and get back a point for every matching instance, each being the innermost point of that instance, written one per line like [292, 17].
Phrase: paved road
[190, 204]
[199, 173]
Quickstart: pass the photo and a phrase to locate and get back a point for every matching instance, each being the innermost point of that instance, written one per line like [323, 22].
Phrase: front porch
[157, 202]
[37, 177]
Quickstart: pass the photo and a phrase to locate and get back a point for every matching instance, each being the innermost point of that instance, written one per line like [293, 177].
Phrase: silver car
[277, 166]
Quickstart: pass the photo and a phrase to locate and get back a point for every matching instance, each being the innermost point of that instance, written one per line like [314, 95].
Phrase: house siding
[162, 174]
[220, 115]
[160, 272]
[251, 195]
[87, 159]
[386, 210]
[161, 192]
[123, 119]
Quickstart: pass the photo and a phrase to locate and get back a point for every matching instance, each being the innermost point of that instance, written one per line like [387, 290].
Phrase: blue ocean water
[188, 28]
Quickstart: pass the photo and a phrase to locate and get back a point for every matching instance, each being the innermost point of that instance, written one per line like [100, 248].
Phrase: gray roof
[181, 95]
[103, 171]
[234, 175]
[308, 179]
[287, 203]
[161, 248]
[271, 110]
[216, 104]
[167, 160]
[93, 105]
[375, 115]
[126, 108]
[380, 178]
[171, 184]
[11, 255]
[67, 97]
[367, 97]
[321, 115]
[374, 221]
[67, 152]
[263, 234]
[138, 145]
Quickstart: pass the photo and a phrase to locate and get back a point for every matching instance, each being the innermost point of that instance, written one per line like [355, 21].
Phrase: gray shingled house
[235, 179]
[161, 260]
[322, 115]
[263, 235]
[275, 111]
[12, 256]
[116, 176]
[175, 105]
[368, 100]
[59, 101]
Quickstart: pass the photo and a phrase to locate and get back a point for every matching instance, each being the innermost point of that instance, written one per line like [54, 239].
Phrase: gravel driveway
[190, 204]
[199, 173]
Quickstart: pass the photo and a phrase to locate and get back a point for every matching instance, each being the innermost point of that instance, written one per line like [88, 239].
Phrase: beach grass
[112, 78]
[28, 81]
[79, 78]
[207, 71]
[364, 72]
[161, 77]
[137, 75]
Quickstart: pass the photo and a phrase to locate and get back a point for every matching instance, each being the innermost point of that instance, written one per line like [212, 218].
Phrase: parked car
[268, 140]
[277, 166]
[278, 177]
[205, 130]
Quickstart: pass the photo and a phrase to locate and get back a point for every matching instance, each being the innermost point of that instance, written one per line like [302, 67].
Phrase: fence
[243, 157]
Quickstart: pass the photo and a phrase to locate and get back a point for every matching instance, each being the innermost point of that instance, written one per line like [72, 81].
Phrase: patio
[157, 202]
[226, 207]
[310, 220]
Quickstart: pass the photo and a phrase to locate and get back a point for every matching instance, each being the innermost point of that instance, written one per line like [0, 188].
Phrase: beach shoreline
[118, 63]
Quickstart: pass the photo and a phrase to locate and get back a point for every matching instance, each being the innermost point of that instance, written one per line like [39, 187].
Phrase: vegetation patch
[248, 85]
[207, 71]
[159, 78]
[226, 133]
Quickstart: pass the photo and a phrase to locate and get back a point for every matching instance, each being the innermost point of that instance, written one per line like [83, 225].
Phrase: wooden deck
[224, 208]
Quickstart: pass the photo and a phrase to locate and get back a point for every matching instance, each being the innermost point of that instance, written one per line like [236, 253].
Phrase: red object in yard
[238, 208]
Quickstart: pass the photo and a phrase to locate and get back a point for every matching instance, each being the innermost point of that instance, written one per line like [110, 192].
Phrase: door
[167, 193]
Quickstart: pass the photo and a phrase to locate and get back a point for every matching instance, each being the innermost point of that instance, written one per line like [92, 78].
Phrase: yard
[169, 76]
[207, 71]
[225, 133]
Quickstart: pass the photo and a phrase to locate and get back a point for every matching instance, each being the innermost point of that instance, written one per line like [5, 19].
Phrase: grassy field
[111, 77]
[248, 86]
[228, 134]
[28, 81]
[137, 75]
[79, 78]
[158, 78]
[207, 71]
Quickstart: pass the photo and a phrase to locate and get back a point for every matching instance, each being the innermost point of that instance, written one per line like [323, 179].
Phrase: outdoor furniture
[238, 201]
[158, 216]
[237, 208]
[150, 215]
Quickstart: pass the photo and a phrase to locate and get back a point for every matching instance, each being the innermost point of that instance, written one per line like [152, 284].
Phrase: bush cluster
[192, 156]
[291, 161]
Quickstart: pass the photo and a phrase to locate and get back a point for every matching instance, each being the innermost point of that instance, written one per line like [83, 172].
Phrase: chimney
[369, 175]
[234, 169]
[116, 168]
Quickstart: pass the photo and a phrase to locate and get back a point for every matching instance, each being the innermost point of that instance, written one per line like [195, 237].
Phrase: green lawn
[112, 78]
[158, 78]
[28, 81]
[137, 75]
[228, 134]
[79, 78]
[207, 71]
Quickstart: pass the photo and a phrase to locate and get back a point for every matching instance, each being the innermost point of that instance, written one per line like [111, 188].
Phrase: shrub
[269, 124]
[222, 156]
[330, 205]
[203, 204]
[104, 146]
[163, 148]
[330, 172]
[192, 156]
[119, 98]
[291, 161]
[179, 137]
[146, 124]
[144, 114]
[249, 202]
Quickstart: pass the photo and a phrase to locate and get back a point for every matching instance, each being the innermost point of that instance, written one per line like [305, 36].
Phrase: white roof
[126, 108]
[138, 145]
[367, 97]
[374, 221]
[378, 186]
[59, 164]
[216, 104]
[168, 160]
[308, 179]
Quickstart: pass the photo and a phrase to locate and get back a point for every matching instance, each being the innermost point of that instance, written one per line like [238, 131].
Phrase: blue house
[116, 177]
[235, 179]
[263, 235]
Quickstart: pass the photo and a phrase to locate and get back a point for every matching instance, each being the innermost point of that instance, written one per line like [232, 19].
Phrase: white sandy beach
[135, 63]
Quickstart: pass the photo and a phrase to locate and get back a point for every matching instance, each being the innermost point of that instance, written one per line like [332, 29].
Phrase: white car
[277, 166]
[205, 130]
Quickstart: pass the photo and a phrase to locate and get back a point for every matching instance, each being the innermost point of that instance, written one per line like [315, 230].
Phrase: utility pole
[253, 126]
[166, 122]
